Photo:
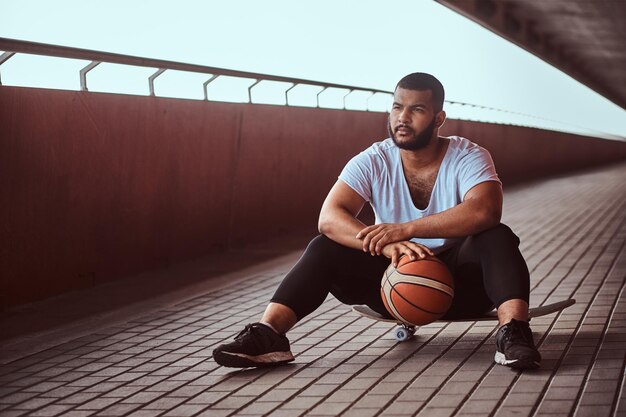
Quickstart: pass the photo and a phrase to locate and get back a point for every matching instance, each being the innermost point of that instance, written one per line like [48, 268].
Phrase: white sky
[363, 43]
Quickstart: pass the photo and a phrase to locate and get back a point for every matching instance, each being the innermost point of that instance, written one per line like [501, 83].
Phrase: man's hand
[413, 250]
[376, 237]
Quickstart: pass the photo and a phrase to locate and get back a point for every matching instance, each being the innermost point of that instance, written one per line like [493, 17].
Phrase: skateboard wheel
[401, 334]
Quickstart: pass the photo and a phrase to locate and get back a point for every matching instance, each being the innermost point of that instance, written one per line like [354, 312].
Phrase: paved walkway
[158, 362]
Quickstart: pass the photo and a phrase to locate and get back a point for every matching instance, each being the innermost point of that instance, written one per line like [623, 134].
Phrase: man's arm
[338, 222]
[338, 215]
[480, 210]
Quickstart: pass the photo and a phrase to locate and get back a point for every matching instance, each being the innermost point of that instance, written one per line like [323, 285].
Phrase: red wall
[522, 153]
[97, 186]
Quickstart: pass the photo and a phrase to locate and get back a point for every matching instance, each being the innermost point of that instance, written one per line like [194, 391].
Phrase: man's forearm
[480, 210]
[341, 227]
[463, 220]
[466, 219]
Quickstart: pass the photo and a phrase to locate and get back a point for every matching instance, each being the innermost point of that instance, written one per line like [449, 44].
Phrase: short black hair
[422, 81]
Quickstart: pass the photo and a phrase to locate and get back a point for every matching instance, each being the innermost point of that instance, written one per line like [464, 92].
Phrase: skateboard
[405, 331]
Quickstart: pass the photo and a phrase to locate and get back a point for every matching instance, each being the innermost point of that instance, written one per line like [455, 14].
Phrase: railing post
[83, 74]
[3, 58]
[152, 78]
[205, 85]
[367, 101]
[318, 96]
[344, 98]
[287, 93]
[250, 90]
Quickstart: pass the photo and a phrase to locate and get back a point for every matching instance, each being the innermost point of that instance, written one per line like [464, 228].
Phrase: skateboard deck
[405, 331]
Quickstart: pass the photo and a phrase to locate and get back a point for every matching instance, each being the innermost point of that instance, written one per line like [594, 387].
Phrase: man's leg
[494, 256]
[515, 309]
[352, 276]
[279, 317]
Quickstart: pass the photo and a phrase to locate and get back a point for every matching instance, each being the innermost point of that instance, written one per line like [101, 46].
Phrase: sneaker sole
[241, 360]
[501, 359]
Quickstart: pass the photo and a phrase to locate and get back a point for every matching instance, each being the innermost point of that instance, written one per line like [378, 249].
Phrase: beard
[418, 141]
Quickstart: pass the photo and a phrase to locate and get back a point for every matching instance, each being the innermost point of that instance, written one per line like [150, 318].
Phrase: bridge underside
[585, 39]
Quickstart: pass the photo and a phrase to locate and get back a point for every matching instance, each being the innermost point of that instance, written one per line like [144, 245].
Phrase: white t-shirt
[376, 174]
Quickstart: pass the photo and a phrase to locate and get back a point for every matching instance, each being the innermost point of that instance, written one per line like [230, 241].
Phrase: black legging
[488, 270]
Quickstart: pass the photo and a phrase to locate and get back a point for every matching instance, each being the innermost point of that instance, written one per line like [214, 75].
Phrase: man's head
[417, 111]
[420, 81]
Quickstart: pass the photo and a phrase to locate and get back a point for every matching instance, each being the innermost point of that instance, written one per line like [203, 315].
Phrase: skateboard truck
[404, 331]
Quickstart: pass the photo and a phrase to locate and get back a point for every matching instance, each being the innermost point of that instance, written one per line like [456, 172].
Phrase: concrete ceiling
[584, 38]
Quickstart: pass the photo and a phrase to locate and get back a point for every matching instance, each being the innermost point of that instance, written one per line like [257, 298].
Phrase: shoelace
[515, 335]
[248, 329]
[254, 335]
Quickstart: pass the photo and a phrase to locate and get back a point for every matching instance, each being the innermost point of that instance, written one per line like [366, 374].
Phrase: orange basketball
[417, 292]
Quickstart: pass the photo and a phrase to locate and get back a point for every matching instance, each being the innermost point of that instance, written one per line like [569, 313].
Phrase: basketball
[417, 292]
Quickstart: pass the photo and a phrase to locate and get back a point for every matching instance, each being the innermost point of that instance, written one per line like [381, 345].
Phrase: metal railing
[13, 46]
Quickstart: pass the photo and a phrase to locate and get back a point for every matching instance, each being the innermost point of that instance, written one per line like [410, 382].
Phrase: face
[412, 120]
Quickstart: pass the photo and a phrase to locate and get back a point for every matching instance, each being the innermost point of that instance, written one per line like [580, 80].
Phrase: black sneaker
[515, 346]
[255, 346]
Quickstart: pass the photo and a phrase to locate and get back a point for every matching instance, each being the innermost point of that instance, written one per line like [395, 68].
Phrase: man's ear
[440, 118]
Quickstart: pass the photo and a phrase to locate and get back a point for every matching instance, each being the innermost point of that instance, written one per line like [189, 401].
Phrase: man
[432, 196]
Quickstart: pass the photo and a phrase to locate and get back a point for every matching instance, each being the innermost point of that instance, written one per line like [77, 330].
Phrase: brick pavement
[573, 234]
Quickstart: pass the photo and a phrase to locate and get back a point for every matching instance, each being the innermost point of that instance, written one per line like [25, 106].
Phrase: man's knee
[498, 235]
[321, 245]
[323, 252]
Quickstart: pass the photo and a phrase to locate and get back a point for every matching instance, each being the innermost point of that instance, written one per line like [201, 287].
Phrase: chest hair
[421, 188]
